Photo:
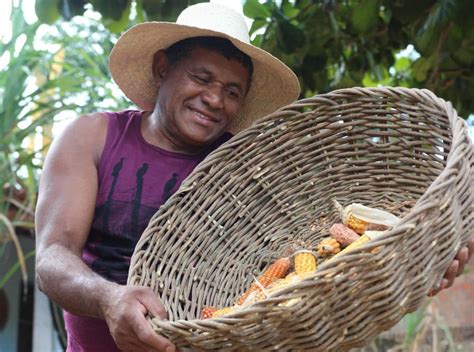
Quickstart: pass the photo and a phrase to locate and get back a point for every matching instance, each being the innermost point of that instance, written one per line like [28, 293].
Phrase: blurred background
[53, 67]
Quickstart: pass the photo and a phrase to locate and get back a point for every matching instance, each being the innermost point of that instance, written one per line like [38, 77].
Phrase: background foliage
[334, 44]
[330, 44]
[67, 74]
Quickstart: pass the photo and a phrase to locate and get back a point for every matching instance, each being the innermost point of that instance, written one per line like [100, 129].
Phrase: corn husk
[376, 219]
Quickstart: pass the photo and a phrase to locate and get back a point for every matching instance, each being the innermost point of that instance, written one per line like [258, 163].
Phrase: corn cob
[290, 279]
[207, 312]
[342, 234]
[370, 235]
[260, 296]
[305, 263]
[361, 218]
[328, 246]
[278, 285]
[290, 302]
[224, 311]
[356, 224]
[277, 270]
[362, 239]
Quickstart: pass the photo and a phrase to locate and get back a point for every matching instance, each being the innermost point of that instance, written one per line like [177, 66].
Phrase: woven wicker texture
[272, 186]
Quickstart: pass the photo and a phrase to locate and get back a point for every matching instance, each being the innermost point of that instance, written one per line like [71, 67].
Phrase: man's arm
[64, 214]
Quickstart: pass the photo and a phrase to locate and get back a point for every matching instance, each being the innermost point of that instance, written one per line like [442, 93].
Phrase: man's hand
[125, 312]
[456, 268]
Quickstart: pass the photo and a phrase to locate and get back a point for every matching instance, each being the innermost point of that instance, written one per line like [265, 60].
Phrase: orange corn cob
[275, 271]
[305, 262]
[207, 312]
[328, 246]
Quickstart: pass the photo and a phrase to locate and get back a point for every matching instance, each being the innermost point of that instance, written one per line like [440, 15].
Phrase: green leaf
[122, 23]
[256, 25]
[151, 8]
[465, 53]
[421, 68]
[402, 64]
[254, 9]
[364, 16]
[409, 11]
[47, 10]
[412, 324]
[165, 10]
[312, 64]
[112, 10]
[440, 14]
[289, 37]
[140, 14]
[289, 10]
[425, 43]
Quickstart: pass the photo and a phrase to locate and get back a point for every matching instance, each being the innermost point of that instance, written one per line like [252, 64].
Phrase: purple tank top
[135, 179]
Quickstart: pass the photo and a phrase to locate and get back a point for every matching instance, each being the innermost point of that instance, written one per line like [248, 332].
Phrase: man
[105, 176]
[108, 173]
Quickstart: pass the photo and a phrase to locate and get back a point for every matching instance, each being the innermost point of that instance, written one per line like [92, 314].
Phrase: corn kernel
[305, 262]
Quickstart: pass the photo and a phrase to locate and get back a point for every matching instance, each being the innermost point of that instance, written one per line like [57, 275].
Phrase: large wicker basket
[272, 185]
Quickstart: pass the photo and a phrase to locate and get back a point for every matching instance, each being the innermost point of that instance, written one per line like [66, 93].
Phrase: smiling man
[197, 82]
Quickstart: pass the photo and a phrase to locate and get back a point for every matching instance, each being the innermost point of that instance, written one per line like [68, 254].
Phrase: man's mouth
[203, 117]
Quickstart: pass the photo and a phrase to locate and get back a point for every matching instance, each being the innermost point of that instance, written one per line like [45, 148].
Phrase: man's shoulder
[95, 119]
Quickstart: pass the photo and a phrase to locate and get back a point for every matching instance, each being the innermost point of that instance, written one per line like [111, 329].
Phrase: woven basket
[272, 186]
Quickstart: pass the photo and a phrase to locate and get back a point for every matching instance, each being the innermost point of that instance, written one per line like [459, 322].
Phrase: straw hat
[273, 83]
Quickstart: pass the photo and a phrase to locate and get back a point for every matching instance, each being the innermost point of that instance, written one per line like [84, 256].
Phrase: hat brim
[273, 83]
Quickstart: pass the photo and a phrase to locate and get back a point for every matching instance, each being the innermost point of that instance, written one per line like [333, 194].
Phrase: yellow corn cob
[223, 311]
[362, 239]
[305, 263]
[277, 270]
[328, 246]
[356, 224]
[274, 287]
[291, 277]
[290, 302]
[260, 296]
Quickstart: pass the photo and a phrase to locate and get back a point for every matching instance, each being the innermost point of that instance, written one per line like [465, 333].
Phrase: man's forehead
[206, 59]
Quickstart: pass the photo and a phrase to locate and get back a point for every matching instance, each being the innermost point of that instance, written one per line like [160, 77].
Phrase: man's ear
[160, 66]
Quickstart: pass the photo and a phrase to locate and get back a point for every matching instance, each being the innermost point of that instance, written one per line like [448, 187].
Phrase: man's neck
[154, 133]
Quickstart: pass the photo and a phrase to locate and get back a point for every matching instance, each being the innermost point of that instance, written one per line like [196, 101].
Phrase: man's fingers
[463, 258]
[150, 338]
[456, 268]
[470, 247]
[153, 304]
[450, 274]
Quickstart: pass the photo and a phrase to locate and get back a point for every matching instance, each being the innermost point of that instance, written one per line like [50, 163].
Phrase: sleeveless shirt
[135, 178]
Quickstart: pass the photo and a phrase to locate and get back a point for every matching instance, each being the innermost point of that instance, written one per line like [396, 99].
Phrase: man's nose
[214, 95]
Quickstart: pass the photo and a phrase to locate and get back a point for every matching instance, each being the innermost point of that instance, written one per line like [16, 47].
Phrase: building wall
[29, 326]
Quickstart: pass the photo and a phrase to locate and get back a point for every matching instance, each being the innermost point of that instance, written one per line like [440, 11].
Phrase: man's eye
[200, 79]
[233, 93]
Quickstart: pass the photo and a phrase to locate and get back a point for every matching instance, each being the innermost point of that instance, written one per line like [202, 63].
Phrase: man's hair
[183, 49]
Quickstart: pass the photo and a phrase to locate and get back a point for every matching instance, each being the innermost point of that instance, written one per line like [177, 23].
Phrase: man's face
[199, 97]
